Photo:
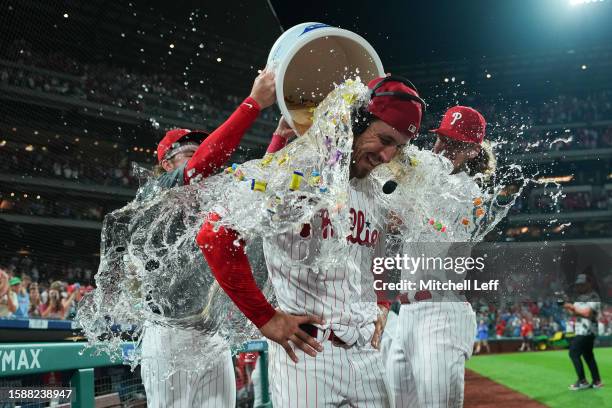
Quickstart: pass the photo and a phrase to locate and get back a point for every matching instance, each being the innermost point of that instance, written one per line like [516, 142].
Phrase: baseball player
[187, 155]
[434, 333]
[335, 361]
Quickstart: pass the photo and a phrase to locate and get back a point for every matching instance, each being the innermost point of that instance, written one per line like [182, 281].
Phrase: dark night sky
[405, 32]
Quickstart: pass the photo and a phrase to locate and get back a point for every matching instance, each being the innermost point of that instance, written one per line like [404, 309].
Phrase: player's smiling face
[377, 145]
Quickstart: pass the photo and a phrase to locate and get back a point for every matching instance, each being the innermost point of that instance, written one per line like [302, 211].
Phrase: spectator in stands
[8, 298]
[34, 301]
[23, 297]
[500, 327]
[526, 334]
[78, 291]
[482, 337]
[55, 307]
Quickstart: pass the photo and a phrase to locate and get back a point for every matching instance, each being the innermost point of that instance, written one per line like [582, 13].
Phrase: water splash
[152, 273]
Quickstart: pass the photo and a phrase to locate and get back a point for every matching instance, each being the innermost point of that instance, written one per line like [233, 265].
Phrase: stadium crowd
[48, 269]
[24, 204]
[531, 319]
[23, 298]
[38, 161]
[108, 85]
[564, 202]
[160, 93]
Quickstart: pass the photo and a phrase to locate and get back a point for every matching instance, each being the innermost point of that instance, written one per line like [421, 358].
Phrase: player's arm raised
[217, 148]
[230, 266]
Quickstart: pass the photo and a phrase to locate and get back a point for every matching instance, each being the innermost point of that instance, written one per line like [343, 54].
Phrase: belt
[418, 297]
[313, 331]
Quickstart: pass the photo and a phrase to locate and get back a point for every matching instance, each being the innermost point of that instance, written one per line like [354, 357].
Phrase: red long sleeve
[214, 151]
[277, 143]
[230, 266]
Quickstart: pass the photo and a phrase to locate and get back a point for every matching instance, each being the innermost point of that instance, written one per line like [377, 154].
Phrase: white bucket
[308, 59]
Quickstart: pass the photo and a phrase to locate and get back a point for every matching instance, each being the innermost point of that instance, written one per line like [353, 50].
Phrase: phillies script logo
[456, 117]
[360, 229]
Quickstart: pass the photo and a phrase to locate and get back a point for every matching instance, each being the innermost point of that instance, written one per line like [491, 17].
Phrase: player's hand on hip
[284, 328]
[379, 326]
[264, 89]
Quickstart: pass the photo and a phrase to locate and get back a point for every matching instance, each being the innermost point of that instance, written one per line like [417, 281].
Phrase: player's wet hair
[484, 163]
[361, 119]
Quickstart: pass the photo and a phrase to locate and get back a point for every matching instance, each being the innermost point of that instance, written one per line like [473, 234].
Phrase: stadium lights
[581, 2]
[556, 179]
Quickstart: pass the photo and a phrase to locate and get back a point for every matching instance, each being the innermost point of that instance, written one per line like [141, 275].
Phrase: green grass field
[544, 376]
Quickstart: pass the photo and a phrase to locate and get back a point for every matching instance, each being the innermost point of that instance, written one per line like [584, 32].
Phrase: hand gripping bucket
[308, 59]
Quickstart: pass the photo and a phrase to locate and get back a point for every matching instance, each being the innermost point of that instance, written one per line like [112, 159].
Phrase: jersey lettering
[361, 232]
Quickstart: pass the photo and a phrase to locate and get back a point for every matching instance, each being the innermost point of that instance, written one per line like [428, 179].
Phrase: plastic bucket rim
[301, 42]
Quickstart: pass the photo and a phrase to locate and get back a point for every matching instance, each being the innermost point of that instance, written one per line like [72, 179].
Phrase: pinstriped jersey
[342, 291]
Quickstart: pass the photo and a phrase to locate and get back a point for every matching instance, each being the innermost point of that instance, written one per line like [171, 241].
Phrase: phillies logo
[456, 117]
[361, 233]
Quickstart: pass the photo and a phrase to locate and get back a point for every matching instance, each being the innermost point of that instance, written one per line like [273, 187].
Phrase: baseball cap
[581, 278]
[14, 281]
[388, 105]
[462, 123]
[175, 137]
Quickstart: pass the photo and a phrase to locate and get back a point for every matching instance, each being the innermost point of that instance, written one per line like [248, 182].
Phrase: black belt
[313, 331]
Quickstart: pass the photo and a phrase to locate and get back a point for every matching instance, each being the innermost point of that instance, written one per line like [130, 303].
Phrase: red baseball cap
[462, 123]
[174, 137]
[388, 105]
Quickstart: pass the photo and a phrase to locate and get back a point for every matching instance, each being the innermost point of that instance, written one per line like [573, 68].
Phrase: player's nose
[387, 154]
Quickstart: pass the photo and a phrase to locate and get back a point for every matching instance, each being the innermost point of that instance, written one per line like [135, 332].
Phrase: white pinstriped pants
[337, 377]
[426, 362]
[211, 388]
